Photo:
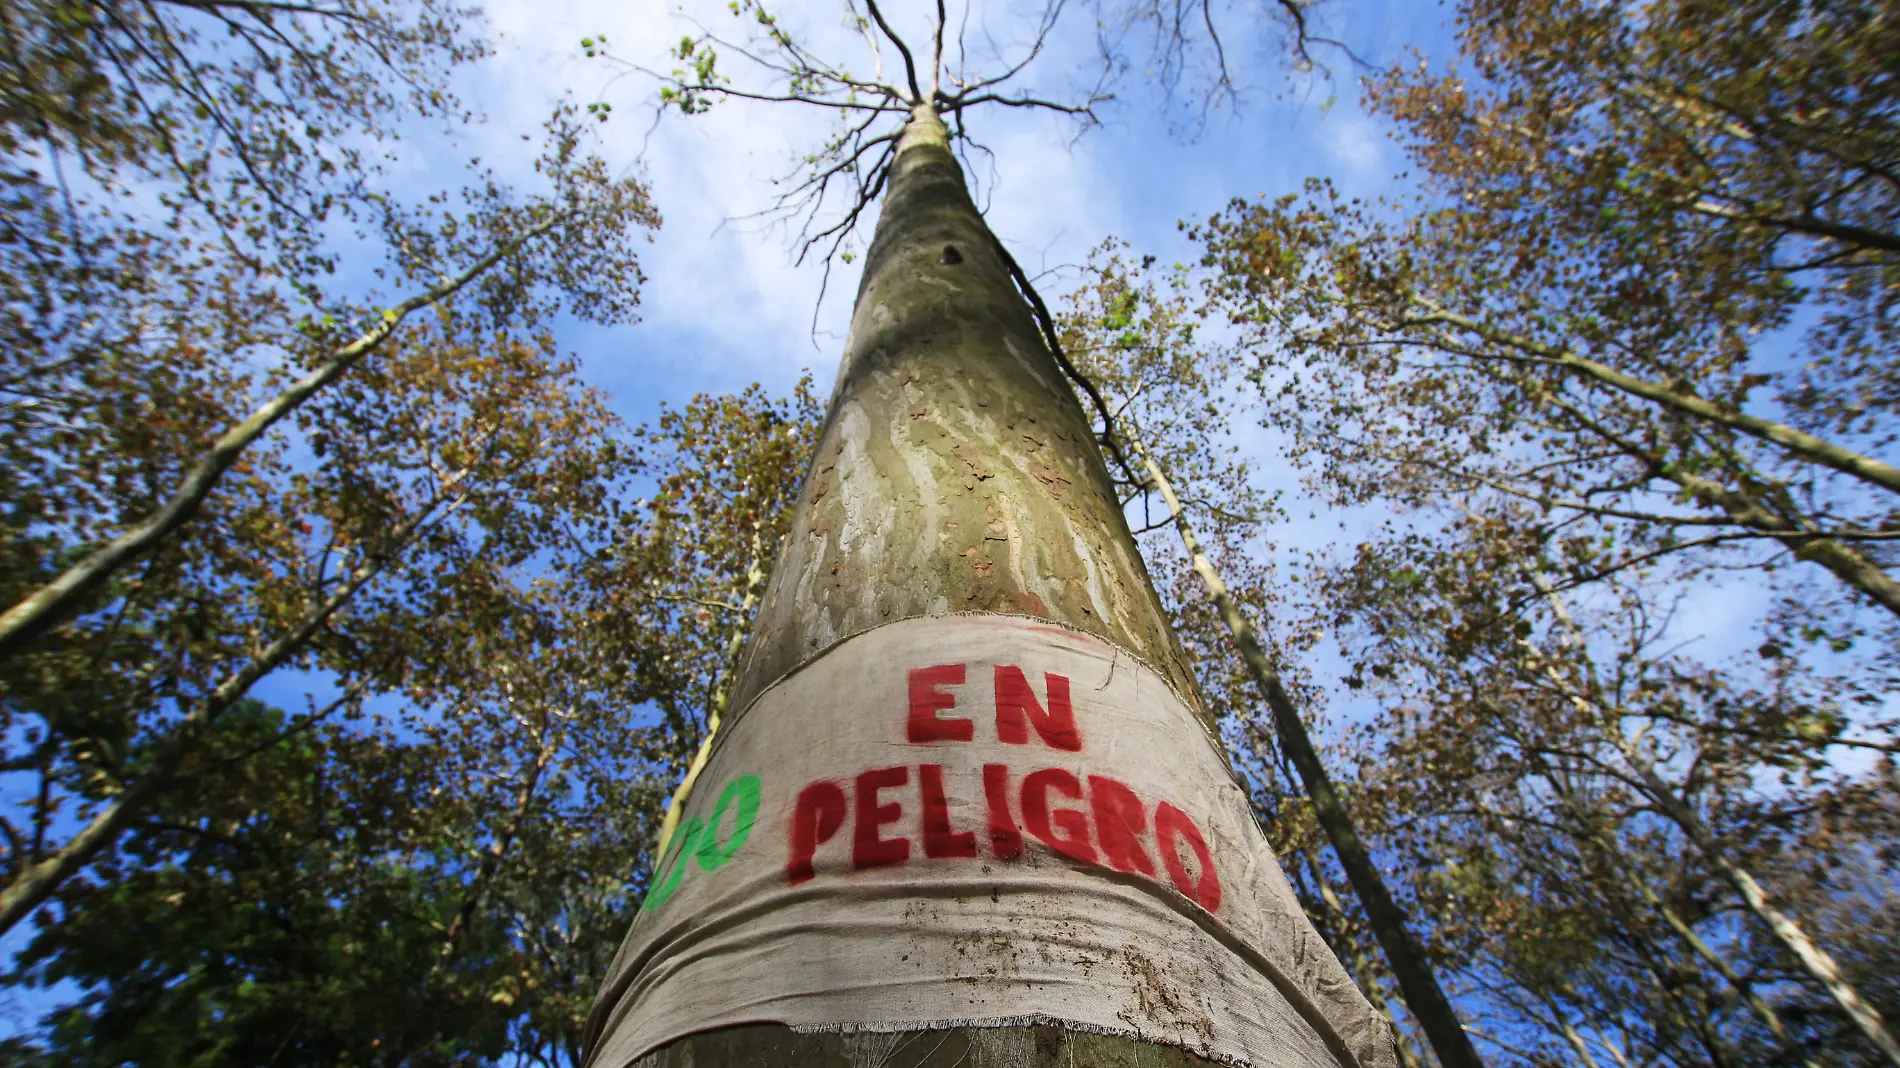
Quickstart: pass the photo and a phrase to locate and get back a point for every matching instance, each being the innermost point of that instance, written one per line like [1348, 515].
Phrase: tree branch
[41, 608]
[1795, 441]
[910, 65]
[38, 882]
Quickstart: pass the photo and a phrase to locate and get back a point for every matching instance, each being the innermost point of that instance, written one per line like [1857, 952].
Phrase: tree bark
[1570, 1033]
[1633, 879]
[1848, 564]
[1424, 998]
[955, 473]
[1742, 987]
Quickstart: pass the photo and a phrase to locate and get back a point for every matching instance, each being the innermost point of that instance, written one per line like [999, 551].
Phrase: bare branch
[936, 56]
[910, 65]
[961, 103]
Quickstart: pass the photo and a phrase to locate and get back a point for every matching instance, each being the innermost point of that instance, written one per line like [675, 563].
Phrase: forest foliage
[1624, 358]
[1624, 362]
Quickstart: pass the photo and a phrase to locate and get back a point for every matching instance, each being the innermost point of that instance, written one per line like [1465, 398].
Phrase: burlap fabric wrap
[979, 820]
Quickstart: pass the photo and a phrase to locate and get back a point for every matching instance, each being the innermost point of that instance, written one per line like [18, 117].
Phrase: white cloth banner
[979, 820]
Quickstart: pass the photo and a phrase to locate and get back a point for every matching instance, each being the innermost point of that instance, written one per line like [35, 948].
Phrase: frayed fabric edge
[885, 1027]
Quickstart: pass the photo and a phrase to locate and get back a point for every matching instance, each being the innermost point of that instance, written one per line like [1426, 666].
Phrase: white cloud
[1355, 143]
[725, 304]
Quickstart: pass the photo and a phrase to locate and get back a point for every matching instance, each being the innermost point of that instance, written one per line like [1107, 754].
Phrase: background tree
[442, 880]
[1603, 315]
[1548, 792]
[174, 259]
[719, 517]
[1628, 344]
[1169, 401]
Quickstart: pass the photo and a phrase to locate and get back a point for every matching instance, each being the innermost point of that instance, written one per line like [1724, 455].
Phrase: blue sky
[726, 305]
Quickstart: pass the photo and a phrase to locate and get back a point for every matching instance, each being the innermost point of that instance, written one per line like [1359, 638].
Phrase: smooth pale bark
[1424, 998]
[955, 473]
[1756, 1002]
[1640, 886]
[1571, 1034]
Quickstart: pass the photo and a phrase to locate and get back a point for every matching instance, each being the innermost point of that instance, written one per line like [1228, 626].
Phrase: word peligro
[1090, 818]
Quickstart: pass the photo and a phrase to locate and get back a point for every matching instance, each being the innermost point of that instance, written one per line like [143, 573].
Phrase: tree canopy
[1473, 467]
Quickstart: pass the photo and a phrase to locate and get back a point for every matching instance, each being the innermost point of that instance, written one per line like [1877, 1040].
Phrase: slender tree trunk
[1341, 920]
[1570, 1033]
[38, 881]
[546, 744]
[956, 485]
[1746, 990]
[42, 608]
[1638, 885]
[1692, 1014]
[1423, 996]
[1816, 961]
[1799, 534]
[1798, 443]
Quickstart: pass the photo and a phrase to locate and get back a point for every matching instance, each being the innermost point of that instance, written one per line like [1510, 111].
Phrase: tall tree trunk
[958, 516]
[1570, 1032]
[722, 688]
[1361, 965]
[1424, 998]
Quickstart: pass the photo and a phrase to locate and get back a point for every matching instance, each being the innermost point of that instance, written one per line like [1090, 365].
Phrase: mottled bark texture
[956, 473]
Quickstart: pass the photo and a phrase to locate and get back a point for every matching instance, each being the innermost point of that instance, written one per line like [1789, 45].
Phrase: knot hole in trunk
[950, 257]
